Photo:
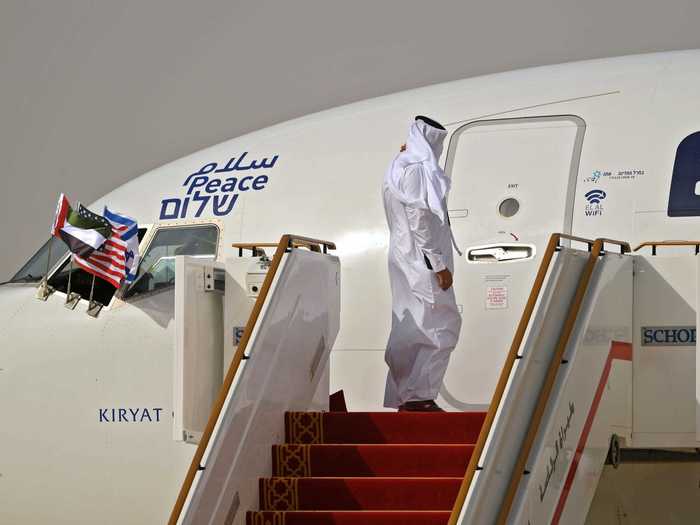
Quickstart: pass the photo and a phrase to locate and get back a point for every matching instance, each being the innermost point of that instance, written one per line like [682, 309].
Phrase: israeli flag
[128, 229]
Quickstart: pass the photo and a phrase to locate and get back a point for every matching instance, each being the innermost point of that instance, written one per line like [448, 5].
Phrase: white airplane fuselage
[586, 148]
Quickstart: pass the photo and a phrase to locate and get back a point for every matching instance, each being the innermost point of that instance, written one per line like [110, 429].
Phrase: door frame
[575, 156]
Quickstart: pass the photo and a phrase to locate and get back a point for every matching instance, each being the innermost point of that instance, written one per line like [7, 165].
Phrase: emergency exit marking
[496, 297]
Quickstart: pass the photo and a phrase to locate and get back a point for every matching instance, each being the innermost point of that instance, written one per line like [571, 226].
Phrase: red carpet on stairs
[339, 468]
[348, 518]
[383, 427]
[371, 460]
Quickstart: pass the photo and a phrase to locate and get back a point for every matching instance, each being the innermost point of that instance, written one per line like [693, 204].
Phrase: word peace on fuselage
[220, 195]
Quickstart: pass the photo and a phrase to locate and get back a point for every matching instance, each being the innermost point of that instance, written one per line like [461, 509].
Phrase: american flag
[128, 229]
[107, 262]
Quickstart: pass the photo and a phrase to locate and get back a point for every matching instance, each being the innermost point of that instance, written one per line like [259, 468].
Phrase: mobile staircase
[567, 402]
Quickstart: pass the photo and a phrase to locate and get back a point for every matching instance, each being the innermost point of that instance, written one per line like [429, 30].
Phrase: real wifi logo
[594, 208]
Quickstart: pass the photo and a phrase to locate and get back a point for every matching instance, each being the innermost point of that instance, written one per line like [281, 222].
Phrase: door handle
[500, 253]
[458, 214]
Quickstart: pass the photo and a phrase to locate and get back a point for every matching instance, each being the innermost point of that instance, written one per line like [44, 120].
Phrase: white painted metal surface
[500, 151]
[591, 400]
[238, 303]
[665, 312]
[288, 356]
[199, 346]
[508, 431]
[65, 456]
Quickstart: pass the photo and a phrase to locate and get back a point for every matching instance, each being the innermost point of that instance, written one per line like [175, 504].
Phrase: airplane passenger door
[513, 183]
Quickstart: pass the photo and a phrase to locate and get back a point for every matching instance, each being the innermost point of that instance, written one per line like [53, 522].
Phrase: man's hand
[402, 148]
[444, 279]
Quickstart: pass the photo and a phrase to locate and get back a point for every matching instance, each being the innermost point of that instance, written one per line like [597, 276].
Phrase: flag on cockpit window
[107, 262]
[82, 230]
[128, 230]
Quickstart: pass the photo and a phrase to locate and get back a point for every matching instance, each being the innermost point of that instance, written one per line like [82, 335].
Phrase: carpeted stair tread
[348, 518]
[367, 468]
[383, 427]
[358, 493]
[370, 460]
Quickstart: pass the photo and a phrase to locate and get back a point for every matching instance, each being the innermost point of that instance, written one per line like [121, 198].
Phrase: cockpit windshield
[35, 269]
[157, 267]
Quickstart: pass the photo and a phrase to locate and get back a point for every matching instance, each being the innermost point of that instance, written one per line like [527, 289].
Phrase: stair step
[383, 427]
[358, 493]
[370, 460]
[348, 518]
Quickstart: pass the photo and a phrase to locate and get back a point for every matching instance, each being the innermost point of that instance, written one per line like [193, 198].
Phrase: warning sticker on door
[496, 297]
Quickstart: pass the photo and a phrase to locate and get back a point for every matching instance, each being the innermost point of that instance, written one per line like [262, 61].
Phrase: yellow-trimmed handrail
[624, 246]
[287, 242]
[255, 247]
[654, 244]
[543, 397]
[298, 242]
[511, 357]
[595, 248]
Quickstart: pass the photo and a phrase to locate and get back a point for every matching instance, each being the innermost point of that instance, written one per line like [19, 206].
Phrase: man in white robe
[425, 318]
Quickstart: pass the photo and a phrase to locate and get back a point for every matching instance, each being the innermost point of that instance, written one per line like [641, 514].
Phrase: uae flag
[82, 230]
[108, 262]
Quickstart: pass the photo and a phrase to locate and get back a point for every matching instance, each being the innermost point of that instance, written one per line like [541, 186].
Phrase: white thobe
[425, 319]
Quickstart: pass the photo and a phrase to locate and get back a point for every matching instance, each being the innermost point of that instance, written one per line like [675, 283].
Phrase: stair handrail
[654, 244]
[286, 244]
[543, 398]
[298, 242]
[553, 245]
[624, 245]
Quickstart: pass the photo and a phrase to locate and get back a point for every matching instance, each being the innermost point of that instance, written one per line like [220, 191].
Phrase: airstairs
[573, 395]
[579, 385]
[371, 468]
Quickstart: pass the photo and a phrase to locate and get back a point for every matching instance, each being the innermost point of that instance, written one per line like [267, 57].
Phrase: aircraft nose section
[13, 300]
